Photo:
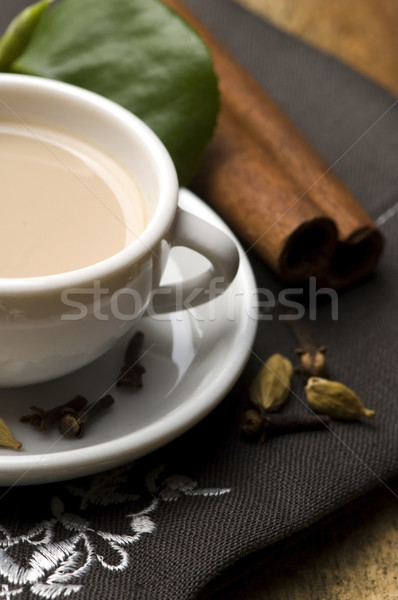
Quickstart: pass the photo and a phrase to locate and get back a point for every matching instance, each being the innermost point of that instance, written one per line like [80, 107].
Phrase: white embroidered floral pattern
[61, 551]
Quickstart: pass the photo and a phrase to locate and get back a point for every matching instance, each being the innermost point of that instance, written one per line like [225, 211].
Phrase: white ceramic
[192, 358]
[41, 338]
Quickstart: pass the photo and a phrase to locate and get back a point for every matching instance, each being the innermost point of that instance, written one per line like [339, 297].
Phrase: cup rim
[159, 222]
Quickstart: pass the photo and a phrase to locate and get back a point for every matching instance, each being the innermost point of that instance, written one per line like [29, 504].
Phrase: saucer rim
[78, 462]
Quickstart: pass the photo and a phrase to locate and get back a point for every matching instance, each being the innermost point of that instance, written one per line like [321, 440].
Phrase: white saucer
[192, 359]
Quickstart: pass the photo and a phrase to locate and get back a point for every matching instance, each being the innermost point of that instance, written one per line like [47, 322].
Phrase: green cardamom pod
[6, 437]
[335, 399]
[271, 387]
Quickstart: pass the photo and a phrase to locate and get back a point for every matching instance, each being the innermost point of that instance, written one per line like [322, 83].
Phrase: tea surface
[64, 203]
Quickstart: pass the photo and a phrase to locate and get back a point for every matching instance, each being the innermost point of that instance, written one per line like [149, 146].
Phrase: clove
[260, 426]
[72, 423]
[132, 371]
[312, 357]
[43, 419]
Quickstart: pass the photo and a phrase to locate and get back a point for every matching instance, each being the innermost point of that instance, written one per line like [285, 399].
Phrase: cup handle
[215, 245]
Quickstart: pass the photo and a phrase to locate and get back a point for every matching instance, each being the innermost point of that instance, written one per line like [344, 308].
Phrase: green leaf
[140, 54]
[17, 35]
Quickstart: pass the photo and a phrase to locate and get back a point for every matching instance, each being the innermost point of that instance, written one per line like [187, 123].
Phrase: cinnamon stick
[265, 179]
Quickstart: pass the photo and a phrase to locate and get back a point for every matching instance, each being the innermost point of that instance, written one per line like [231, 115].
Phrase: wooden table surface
[354, 555]
[361, 32]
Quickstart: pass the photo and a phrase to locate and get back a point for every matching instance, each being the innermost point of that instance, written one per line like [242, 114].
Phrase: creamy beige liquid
[64, 204]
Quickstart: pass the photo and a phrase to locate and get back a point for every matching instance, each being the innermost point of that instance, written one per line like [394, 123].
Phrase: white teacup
[53, 324]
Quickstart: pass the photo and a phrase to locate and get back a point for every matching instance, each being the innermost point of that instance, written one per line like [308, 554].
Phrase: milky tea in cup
[65, 204]
[89, 213]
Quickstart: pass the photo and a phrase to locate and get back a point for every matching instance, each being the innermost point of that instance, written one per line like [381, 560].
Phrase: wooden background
[354, 555]
[364, 33]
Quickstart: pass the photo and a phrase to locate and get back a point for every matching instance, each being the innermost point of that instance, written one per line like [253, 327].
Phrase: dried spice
[132, 371]
[335, 399]
[260, 426]
[73, 422]
[271, 387]
[6, 437]
[312, 357]
[73, 415]
[43, 419]
[312, 362]
[252, 423]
